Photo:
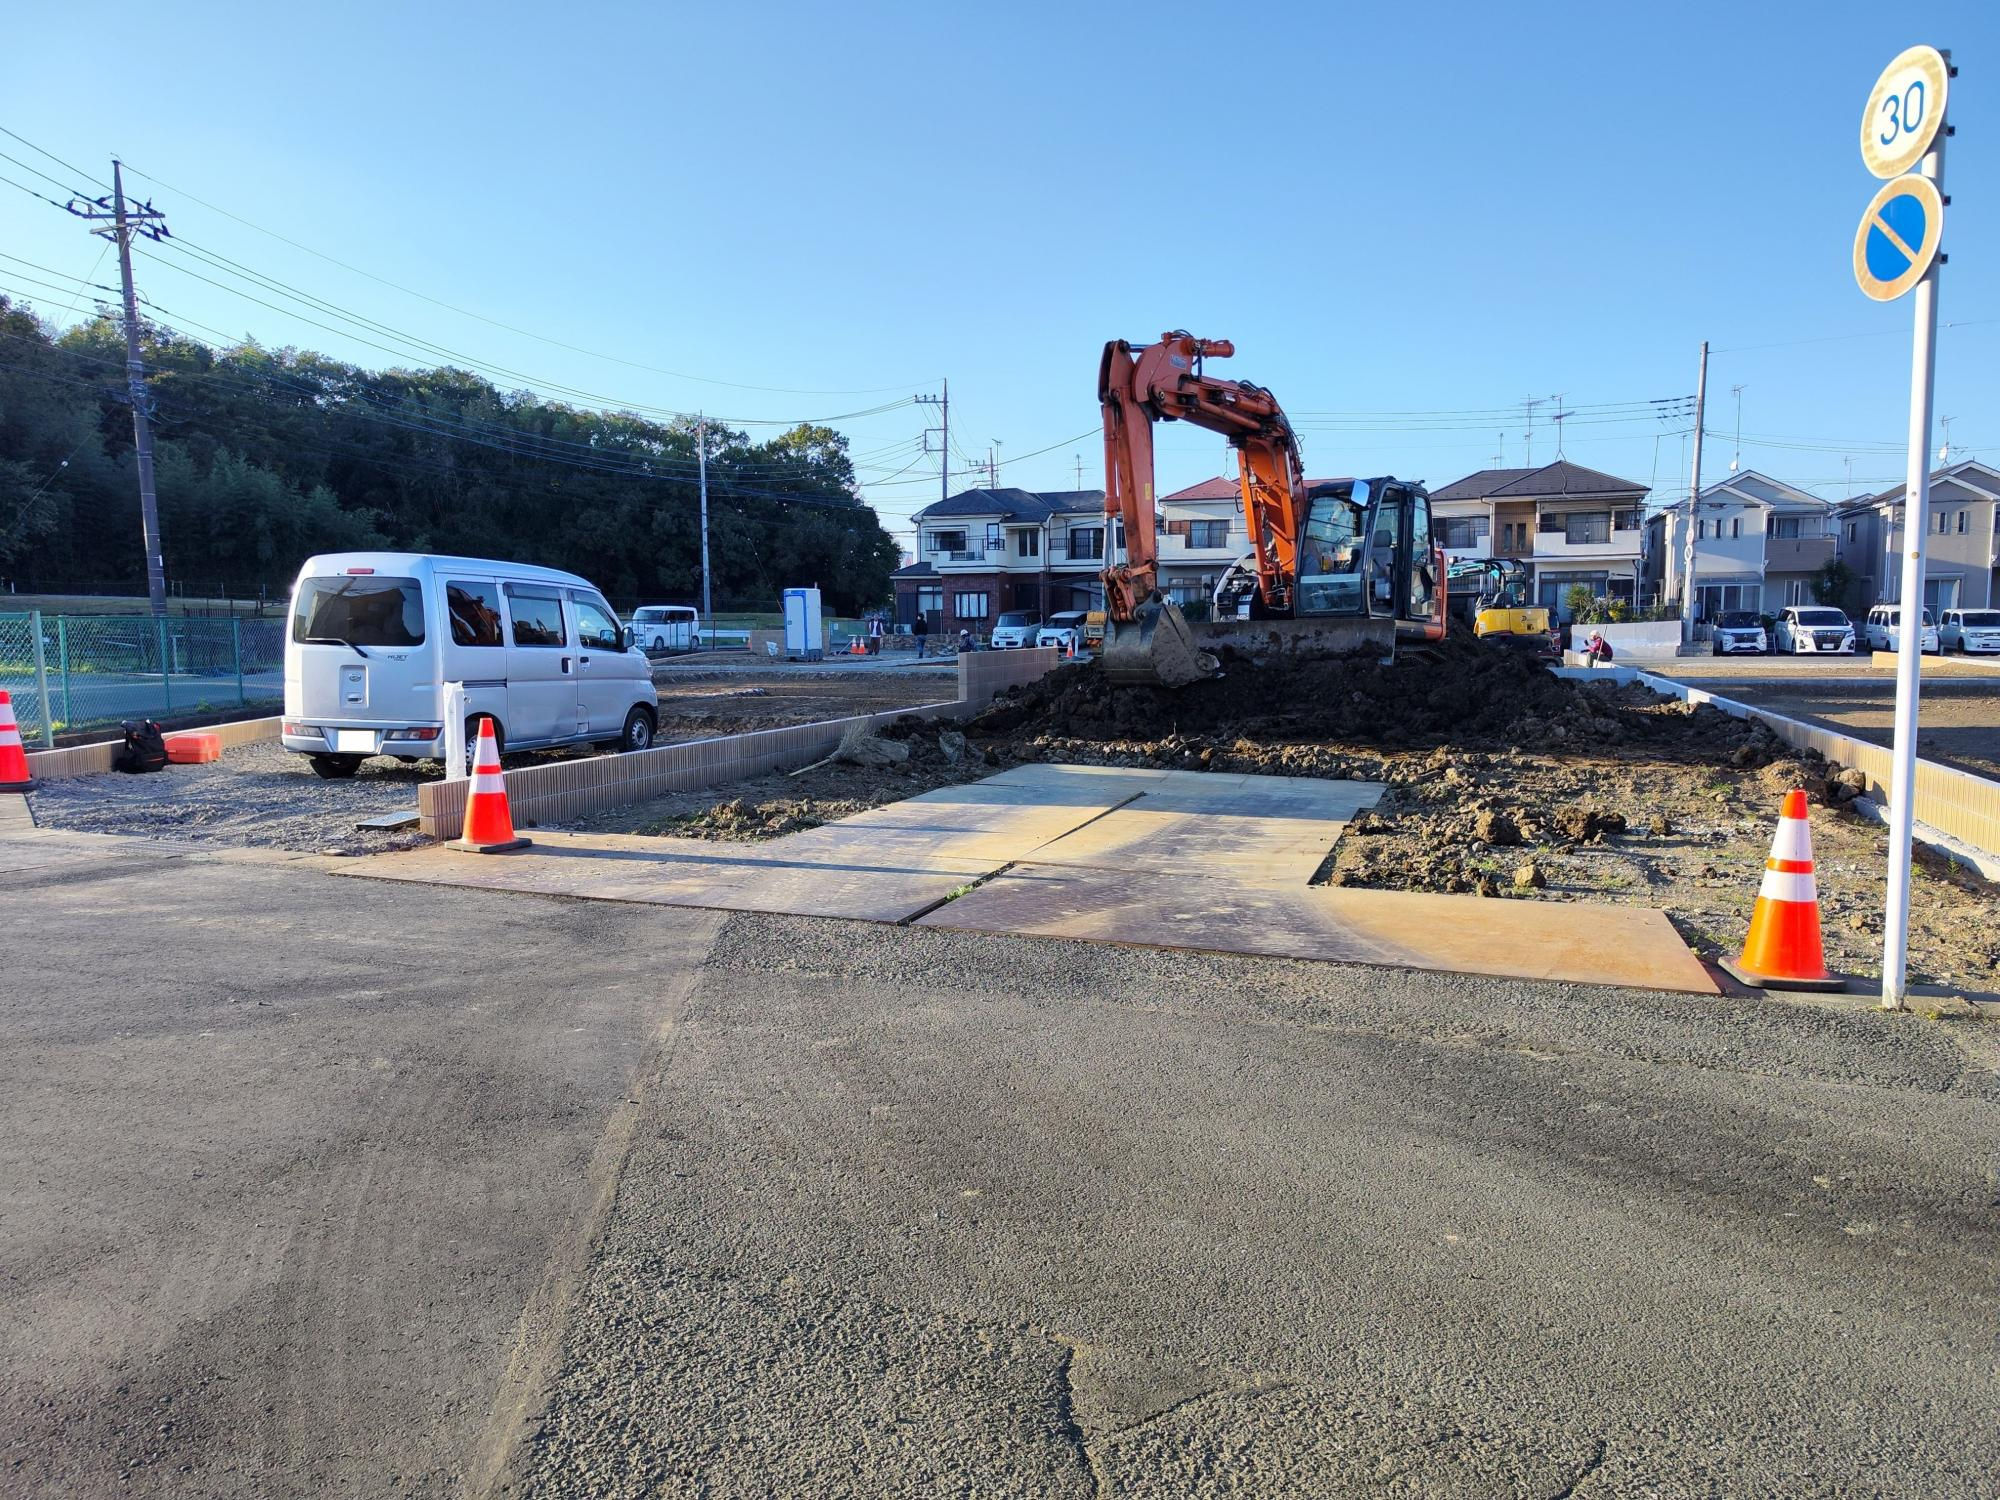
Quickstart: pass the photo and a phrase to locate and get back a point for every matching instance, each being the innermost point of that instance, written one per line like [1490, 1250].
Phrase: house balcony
[1801, 554]
[1555, 546]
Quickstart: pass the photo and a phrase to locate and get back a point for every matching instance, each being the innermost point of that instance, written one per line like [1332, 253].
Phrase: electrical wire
[511, 328]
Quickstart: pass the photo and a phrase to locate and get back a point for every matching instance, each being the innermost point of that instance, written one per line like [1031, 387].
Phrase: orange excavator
[1342, 566]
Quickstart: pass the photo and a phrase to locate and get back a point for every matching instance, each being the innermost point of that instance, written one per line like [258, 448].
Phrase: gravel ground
[264, 796]
[258, 795]
[699, 702]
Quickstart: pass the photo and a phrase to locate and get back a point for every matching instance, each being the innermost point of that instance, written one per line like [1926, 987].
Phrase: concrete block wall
[91, 759]
[984, 675]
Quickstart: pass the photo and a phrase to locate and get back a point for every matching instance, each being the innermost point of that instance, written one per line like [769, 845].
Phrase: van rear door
[542, 703]
[356, 634]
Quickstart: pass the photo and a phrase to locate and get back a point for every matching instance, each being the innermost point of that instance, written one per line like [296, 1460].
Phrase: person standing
[921, 629]
[874, 635]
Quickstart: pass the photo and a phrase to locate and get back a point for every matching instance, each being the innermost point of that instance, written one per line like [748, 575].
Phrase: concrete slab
[1142, 856]
[1617, 945]
[1260, 830]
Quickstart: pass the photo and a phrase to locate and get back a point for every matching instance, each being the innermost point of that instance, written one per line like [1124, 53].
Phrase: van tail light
[293, 729]
[421, 732]
[360, 572]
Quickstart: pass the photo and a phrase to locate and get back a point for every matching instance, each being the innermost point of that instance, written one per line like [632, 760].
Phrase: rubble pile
[1310, 717]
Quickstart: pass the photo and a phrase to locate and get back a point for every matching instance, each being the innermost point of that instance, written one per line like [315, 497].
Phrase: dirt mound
[1460, 694]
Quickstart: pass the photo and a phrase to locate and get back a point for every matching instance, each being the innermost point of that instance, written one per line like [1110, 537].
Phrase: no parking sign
[1898, 237]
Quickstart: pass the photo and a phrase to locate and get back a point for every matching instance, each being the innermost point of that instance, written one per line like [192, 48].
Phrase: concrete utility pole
[1694, 500]
[701, 458]
[116, 221]
[943, 404]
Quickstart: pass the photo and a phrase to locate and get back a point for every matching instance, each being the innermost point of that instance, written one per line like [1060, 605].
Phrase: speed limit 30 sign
[1905, 108]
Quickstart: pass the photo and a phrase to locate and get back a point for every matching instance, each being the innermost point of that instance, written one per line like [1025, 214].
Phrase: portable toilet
[805, 630]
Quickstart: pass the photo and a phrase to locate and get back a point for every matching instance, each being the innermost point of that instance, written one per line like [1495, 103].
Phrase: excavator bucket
[1155, 649]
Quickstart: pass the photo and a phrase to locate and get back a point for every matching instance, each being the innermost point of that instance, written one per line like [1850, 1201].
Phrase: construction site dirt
[1504, 781]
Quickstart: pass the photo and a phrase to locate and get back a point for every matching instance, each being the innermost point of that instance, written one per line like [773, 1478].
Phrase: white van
[1883, 634]
[375, 636]
[660, 628]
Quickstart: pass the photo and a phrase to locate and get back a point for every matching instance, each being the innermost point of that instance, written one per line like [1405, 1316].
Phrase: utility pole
[943, 429]
[701, 458]
[1694, 500]
[116, 221]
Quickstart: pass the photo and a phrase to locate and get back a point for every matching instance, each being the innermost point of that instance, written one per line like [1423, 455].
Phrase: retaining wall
[563, 790]
[89, 760]
[1956, 803]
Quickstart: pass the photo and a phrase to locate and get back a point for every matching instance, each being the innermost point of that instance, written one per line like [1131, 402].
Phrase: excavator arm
[1164, 382]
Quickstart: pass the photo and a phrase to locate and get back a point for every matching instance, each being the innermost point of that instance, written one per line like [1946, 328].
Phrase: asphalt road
[303, 1178]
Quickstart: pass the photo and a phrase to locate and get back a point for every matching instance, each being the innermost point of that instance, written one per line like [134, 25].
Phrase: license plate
[354, 741]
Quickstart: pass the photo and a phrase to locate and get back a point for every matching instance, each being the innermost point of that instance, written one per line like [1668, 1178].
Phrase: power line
[511, 328]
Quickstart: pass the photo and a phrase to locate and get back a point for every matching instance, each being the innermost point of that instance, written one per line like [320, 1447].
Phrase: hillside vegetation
[267, 456]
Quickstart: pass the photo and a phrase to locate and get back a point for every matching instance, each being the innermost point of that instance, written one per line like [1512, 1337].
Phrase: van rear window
[359, 611]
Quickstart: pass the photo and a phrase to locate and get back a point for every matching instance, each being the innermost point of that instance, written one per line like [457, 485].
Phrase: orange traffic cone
[14, 775]
[1783, 949]
[489, 827]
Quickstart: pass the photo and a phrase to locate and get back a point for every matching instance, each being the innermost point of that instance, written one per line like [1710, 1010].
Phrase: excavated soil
[1507, 781]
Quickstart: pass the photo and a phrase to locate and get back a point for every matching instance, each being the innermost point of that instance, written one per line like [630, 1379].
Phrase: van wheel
[638, 733]
[334, 767]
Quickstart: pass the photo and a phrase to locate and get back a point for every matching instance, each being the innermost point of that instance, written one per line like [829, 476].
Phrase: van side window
[475, 613]
[596, 626]
[538, 619]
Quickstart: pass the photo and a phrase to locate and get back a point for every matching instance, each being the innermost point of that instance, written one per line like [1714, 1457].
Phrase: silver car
[1973, 631]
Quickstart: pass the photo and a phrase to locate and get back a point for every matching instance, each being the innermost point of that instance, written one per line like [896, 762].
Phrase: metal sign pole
[1916, 530]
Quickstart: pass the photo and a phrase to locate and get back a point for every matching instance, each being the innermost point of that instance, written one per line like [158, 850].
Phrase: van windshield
[1020, 617]
[1820, 617]
[359, 611]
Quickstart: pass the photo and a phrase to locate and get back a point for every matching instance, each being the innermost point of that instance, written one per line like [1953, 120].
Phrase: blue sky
[1412, 218]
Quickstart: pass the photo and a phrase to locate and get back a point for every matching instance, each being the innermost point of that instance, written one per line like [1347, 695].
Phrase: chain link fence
[76, 672]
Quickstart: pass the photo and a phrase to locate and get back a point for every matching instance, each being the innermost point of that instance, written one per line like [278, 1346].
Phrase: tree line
[264, 457]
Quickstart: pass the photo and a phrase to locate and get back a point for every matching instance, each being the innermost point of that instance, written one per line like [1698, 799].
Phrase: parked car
[1973, 631]
[659, 628]
[1016, 628]
[1064, 630]
[1806, 628]
[1736, 631]
[376, 637]
[1882, 629]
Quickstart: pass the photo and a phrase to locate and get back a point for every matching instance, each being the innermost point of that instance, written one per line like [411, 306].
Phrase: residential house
[1759, 544]
[1568, 524]
[983, 552]
[1961, 551]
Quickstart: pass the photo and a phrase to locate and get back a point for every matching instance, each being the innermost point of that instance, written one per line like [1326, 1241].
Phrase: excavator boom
[1374, 584]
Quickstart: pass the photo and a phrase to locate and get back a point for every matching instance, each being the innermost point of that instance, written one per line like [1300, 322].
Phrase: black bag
[145, 748]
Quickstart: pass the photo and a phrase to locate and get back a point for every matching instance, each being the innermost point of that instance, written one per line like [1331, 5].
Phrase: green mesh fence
[73, 672]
